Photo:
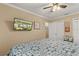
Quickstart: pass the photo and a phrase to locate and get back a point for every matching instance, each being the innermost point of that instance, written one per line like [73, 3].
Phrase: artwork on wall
[67, 27]
[36, 25]
[20, 25]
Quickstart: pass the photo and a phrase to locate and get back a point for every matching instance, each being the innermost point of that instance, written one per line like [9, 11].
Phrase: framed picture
[36, 25]
[67, 26]
[67, 29]
[22, 25]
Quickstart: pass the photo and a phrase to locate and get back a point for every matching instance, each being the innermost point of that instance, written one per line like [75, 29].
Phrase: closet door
[56, 30]
[75, 24]
[52, 30]
[60, 30]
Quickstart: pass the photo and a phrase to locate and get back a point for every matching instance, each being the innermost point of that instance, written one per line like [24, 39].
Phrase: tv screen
[21, 25]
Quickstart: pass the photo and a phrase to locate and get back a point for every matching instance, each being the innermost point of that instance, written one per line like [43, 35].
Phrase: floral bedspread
[46, 47]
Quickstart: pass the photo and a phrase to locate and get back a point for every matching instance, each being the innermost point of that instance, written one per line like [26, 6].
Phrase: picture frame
[22, 25]
[67, 29]
[36, 25]
[67, 26]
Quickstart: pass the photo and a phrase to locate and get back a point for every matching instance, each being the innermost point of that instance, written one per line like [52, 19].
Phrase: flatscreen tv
[20, 25]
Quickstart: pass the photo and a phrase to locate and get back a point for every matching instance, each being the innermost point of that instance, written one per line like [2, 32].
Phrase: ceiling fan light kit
[55, 6]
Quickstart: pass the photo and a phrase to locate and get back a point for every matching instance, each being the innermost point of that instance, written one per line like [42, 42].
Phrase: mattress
[45, 47]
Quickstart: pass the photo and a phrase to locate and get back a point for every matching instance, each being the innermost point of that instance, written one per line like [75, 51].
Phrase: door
[56, 30]
[52, 30]
[75, 24]
[60, 30]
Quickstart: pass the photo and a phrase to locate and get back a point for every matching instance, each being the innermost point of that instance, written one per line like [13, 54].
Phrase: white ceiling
[37, 8]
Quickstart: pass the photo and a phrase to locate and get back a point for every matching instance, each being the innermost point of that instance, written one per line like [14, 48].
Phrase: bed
[45, 47]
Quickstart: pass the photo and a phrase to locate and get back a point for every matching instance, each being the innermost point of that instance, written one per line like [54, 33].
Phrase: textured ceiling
[37, 8]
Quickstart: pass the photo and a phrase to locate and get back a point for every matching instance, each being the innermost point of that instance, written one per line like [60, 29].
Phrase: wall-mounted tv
[20, 25]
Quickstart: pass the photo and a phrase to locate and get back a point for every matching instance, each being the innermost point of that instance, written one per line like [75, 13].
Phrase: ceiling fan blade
[51, 9]
[47, 7]
[63, 6]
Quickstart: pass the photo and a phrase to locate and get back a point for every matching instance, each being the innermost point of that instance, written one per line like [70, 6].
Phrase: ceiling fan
[55, 6]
